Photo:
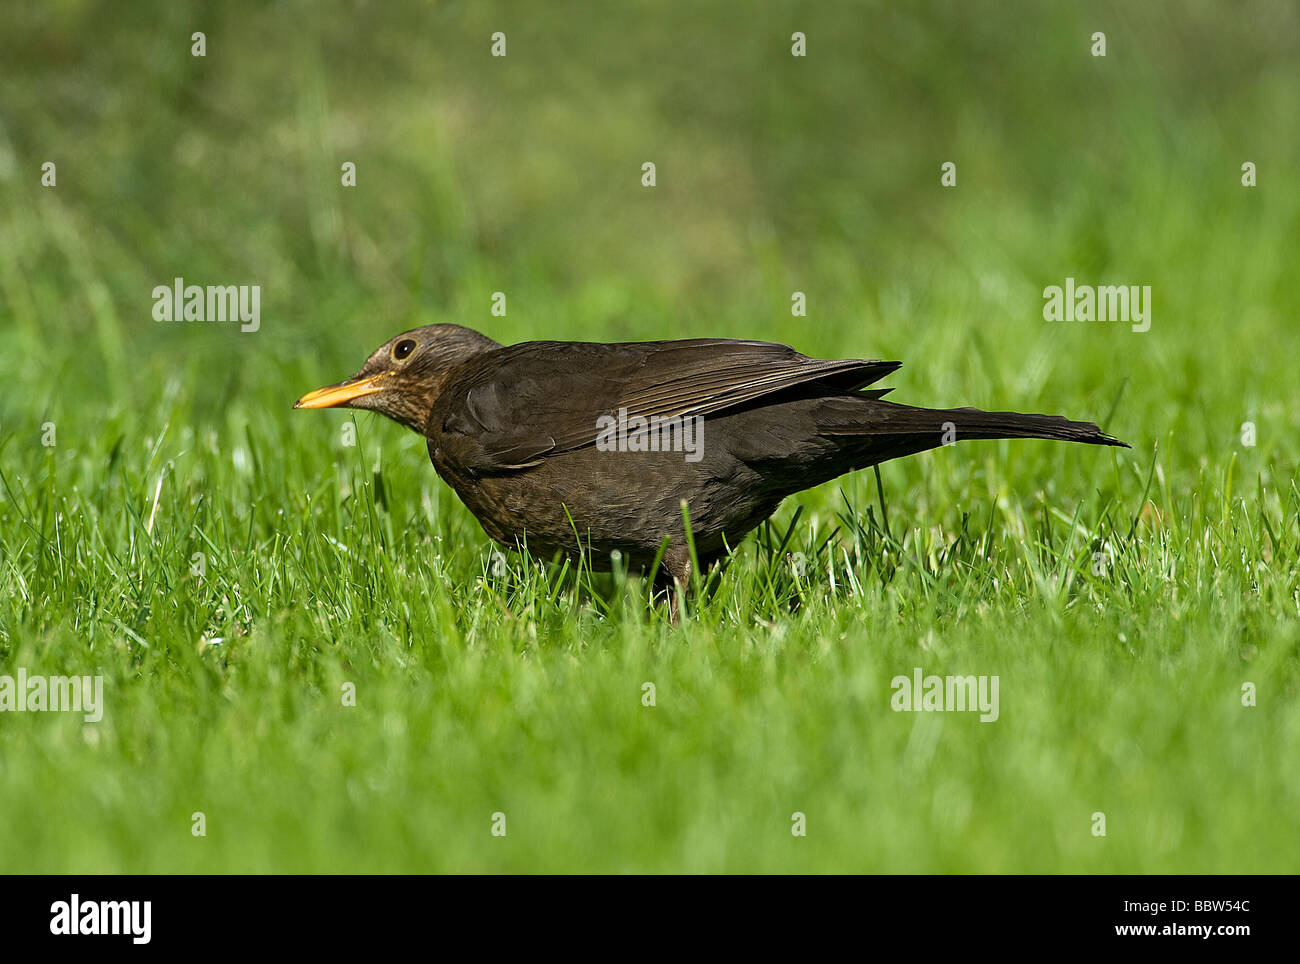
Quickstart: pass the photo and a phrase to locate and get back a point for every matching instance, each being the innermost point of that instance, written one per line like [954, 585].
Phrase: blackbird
[582, 447]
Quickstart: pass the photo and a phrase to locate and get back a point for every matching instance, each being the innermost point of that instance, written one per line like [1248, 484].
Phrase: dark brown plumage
[514, 430]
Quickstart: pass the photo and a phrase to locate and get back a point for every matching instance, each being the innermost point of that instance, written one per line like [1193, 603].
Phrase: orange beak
[332, 396]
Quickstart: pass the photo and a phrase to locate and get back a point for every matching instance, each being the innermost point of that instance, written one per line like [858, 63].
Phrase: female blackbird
[570, 447]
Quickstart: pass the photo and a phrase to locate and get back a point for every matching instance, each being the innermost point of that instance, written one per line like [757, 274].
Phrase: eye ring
[402, 350]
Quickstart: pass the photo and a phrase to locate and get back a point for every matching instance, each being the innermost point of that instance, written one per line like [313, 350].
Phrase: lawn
[306, 639]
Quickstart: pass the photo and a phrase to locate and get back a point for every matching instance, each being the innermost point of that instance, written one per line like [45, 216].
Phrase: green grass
[520, 691]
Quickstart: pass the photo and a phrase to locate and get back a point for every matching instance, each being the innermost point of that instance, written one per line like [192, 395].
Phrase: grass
[228, 565]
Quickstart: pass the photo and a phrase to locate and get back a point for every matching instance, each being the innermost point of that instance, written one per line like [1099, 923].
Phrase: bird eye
[403, 348]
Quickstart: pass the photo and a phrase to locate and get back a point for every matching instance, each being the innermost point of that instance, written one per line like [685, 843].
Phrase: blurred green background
[522, 174]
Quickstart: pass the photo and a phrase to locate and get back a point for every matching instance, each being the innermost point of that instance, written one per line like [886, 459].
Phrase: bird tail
[932, 427]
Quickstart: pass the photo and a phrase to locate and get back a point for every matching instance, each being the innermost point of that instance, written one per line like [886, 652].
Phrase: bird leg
[673, 577]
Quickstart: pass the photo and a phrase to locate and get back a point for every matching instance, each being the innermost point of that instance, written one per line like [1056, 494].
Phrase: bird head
[405, 375]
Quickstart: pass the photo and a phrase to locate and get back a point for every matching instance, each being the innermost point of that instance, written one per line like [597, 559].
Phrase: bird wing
[513, 407]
